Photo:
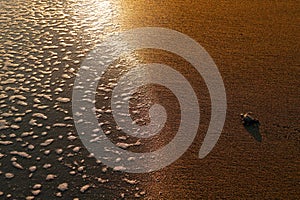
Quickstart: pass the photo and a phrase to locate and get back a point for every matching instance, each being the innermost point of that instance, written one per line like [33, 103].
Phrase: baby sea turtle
[248, 120]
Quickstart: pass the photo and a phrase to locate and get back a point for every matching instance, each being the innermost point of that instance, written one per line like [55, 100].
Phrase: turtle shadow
[253, 129]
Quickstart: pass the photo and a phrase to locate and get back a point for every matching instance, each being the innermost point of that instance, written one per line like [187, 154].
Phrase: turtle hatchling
[248, 120]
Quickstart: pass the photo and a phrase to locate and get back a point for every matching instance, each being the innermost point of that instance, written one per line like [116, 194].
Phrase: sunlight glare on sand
[95, 16]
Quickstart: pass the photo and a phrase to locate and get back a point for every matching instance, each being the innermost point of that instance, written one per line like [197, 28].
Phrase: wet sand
[255, 46]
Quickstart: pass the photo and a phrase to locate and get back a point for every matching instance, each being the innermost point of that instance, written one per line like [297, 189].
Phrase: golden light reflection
[97, 18]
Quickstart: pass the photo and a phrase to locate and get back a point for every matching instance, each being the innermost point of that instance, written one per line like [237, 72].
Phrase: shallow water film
[46, 45]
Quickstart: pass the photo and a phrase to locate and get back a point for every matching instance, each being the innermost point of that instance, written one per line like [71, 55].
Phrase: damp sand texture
[255, 45]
